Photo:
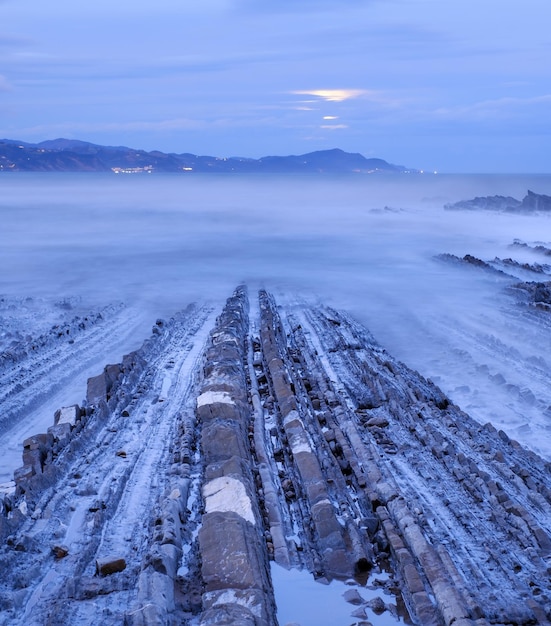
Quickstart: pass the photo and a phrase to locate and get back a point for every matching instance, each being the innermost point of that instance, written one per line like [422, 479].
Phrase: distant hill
[69, 155]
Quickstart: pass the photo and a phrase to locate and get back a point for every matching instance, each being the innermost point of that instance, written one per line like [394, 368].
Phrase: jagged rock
[22, 474]
[488, 203]
[99, 387]
[542, 293]
[110, 565]
[96, 389]
[112, 373]
[536, 202]
[36, 450]
[531, 202]
[67, 415]
[165, 558]
[60, 432]
[60, 552]
[379, 421]
[377, 605]
[353, 597]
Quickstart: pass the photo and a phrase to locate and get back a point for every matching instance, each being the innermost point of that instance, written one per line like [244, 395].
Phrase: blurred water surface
[361, 243]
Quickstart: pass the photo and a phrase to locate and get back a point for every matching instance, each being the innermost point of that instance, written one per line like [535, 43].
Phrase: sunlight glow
[333, 95]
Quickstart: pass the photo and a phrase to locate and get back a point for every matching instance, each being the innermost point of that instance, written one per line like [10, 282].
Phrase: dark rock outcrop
[536, 202]
[472, 261]
[531, 203]
[486, 203]
[539, 294]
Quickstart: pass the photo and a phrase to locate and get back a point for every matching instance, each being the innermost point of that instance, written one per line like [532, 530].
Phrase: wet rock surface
[35, 361]
[531, 203]
[536, 293]
[281, 432]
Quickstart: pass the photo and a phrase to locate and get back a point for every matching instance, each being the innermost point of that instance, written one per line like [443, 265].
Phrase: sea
[367, 244]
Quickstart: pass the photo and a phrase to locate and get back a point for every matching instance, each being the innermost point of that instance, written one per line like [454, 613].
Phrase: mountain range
[70, 155]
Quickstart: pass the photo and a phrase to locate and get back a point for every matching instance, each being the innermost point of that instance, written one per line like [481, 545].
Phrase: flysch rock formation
[536, 293]
[41, 355]
[277, 433]
[531, 203]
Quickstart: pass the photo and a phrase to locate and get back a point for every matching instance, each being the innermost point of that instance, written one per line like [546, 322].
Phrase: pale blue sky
[446, 85]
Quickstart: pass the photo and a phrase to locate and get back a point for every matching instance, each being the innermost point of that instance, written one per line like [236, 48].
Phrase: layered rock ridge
[278, 432]
[464, 509]
[237, 588]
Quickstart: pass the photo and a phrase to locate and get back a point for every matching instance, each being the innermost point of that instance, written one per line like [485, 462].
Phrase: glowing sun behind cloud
[333, 95]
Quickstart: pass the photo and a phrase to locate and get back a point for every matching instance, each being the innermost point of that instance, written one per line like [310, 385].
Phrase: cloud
[333, 126]
[491, 110]
[333, 95]
[79, 129]
[300, 6]
[88, 65]
[378, 98]
[4, 84]
[8, 40]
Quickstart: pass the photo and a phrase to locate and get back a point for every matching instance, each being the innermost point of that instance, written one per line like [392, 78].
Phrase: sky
[430, 84]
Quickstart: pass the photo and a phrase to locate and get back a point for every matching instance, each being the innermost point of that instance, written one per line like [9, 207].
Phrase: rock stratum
[270, 432]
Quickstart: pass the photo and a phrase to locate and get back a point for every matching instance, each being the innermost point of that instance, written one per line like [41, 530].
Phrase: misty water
[365, 244]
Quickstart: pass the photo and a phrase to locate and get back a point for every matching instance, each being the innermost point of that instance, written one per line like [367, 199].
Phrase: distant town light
[148, 169]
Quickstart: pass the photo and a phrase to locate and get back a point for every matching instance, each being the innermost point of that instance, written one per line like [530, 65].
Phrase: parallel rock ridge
[204, 456]
[36, 356]
[231, 539]
[534, 293]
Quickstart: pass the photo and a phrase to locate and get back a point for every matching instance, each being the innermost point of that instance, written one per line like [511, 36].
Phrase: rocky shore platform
[271, 432]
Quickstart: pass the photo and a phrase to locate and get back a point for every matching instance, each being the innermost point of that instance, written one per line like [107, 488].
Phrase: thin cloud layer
[503, 108]
[334, 95]
[4, 85]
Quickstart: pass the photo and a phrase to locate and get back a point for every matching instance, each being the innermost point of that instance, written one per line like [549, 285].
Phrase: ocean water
[365, 244]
